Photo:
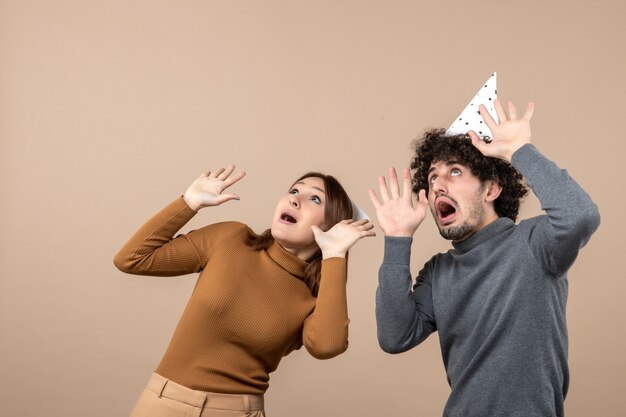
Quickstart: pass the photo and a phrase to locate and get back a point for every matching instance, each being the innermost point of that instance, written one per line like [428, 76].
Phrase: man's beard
[468, 227]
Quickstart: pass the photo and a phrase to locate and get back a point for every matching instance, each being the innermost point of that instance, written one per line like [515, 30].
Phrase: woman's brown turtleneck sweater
[248, 309]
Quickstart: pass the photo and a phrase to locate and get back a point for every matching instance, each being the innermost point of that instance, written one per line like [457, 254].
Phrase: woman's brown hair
[338, 207]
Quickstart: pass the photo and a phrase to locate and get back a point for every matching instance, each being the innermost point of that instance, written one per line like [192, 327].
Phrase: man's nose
[438, 185]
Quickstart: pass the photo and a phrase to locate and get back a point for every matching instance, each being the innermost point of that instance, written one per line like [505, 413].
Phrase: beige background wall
[108, 109]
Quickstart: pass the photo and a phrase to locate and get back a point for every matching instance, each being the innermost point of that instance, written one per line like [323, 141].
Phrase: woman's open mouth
[285, 217]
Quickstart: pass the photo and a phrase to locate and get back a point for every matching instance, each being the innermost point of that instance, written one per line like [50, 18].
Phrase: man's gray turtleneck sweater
[497, 300]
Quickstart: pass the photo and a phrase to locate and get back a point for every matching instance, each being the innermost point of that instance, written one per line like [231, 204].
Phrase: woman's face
[302, 207]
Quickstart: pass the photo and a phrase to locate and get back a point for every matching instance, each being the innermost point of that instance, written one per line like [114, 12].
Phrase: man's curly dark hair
[435, 146]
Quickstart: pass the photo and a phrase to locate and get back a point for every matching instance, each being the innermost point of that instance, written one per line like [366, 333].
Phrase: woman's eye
[293, 191]
[316, 199]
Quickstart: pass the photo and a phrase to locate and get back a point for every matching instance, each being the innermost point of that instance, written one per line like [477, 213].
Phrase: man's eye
[432, 179]
[455, 172]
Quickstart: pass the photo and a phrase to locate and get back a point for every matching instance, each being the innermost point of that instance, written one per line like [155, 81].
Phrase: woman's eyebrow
[313, 186]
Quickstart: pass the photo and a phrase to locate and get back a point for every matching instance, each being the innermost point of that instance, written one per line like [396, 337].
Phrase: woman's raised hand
[208, 189]
[341, 237]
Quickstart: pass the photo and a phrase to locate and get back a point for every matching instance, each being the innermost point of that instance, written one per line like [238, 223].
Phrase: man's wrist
[399, 233]
[397, 250]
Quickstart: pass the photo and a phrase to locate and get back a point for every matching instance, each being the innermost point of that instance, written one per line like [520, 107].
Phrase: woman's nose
[294, 202]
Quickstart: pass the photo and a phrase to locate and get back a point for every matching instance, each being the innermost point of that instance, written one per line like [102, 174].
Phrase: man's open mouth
[446, 212]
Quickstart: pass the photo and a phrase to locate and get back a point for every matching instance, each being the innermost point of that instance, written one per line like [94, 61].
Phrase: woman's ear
[493, 191]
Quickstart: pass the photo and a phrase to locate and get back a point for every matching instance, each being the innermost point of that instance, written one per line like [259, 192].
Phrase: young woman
[258, 297]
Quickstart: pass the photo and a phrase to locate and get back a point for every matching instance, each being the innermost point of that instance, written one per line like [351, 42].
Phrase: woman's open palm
[208, 189]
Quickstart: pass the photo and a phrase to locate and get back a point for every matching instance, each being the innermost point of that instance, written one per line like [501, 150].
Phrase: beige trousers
[165, 398]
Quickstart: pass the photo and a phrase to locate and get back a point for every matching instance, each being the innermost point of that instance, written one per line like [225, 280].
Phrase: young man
[498, 297]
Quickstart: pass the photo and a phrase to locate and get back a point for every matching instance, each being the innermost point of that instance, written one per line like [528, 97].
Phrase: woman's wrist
[192, 204]
[333, 254]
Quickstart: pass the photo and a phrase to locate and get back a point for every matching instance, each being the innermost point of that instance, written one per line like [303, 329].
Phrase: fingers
[393, 191]
[499, 111]
[393, 183]
[231, 180]
[316, 231]
[221, 173]
[512, 111]
[346, 230]
[408, 184]
[477, 141]
[356, 223]
[527, 115]
[491, 124]
[222, 198]
[226, 172]
[361, 222]
[529, 111]
[363, 229]
[225, 175]
[215, 174]
[422, 200]
[382, 185]
[374, 198]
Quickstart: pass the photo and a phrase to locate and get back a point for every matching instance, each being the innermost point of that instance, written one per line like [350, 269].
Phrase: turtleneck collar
[287, 260]
[492, 229]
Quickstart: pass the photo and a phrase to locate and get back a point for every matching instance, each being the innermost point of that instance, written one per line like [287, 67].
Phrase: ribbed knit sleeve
[571, 215]
[152, 250]
[325, 332]
[404, 318]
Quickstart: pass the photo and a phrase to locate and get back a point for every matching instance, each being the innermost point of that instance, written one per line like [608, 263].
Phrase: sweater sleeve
[153, 250]
[571, 217]
[325, 330]
[404, 315]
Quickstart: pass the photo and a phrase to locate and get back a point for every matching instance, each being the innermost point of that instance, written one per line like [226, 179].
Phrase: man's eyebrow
[448, 163]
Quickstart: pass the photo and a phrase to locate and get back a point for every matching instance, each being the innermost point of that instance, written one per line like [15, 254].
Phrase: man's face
[457, 200]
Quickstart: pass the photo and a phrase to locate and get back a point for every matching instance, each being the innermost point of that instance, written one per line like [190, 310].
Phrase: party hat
[470, 118]
[358, 213]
